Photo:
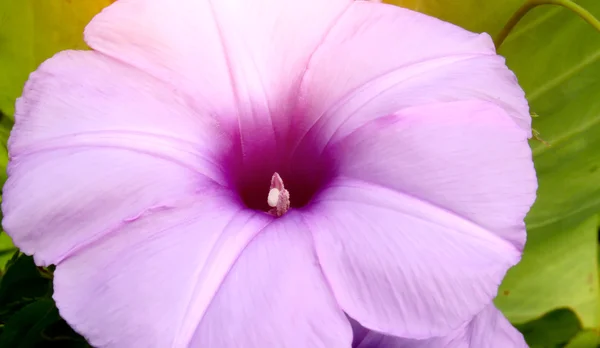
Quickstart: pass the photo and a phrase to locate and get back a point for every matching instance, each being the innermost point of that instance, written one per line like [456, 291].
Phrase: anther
[278, 198]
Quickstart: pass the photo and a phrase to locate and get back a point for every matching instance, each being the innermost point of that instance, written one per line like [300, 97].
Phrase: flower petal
[426, 217]
[78, 94]
[149, 283]
[379, 59]
[275, 296]
[465, 157]
[96, 143]
[401, 266]
[488, 329]
[244, 59]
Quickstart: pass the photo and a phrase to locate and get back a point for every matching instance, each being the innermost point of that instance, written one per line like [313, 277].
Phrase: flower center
[256, 174]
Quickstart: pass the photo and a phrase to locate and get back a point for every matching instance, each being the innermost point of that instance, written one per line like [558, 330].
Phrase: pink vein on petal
[181, 152]
[442, 211]
[210, 280]
[301, 84]
[100, 236]
[384, 82]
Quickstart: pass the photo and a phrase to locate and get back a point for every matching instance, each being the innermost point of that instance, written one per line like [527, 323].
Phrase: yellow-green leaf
[475, 15]
[32, 31]
[559, 269]
[584, 339]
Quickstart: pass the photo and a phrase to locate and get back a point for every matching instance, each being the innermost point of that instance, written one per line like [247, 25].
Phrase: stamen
[273, 197]
[279, 197]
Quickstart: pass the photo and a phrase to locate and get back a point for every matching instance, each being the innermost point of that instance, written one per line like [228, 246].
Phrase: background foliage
[552, 296]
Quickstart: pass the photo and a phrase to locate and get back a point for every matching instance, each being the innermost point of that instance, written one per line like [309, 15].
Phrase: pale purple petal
[275, 296]
[95, 144]
[80, 97]
[240, 60]
[150, 282]
[399, 259]
[402, 266]
[464, 157]
[488, 329]
[379, 59]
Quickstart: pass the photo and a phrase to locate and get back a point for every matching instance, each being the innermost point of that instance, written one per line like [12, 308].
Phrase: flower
[142, 169]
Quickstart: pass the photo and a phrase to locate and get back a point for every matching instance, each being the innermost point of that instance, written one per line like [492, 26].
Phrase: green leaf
[552, 330]
[7, 249]
[25, 328]
[559, 269]
[28, 314]
[584, 339]
[561, 83]
[60, 334]
[475, 15]
[5, 127]
[6, 246]
[39, 324]
[32, 31]
[23, 282]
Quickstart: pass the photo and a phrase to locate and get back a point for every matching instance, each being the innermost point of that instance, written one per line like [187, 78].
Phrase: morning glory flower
[274, 173]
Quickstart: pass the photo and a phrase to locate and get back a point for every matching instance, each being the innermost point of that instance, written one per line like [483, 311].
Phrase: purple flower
[143, 169]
